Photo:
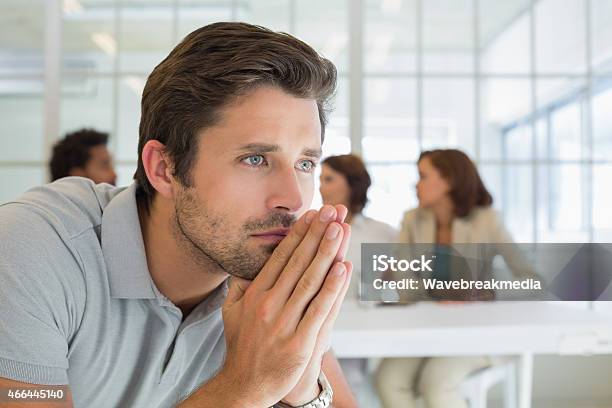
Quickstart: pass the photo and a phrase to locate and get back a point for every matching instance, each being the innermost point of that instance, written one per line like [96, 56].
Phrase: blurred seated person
[454, 207]
[345, 180]
[83, 153]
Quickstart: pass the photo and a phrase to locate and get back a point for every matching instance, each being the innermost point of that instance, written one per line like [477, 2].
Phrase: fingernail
[338, 269]
[309, 217]
[332, 231]
[327, 214]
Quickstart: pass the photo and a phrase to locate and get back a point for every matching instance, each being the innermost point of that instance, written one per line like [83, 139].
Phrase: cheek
[307, 189]
[438, 188]
[347, 191]
[428, 189]
[332, 188]
[226, 199]
[335, 192]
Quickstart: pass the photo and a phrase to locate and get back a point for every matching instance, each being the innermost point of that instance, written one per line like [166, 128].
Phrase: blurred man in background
[83, 153]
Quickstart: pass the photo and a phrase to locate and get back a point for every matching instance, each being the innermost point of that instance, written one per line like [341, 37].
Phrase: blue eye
[254, 160]
[307, 165]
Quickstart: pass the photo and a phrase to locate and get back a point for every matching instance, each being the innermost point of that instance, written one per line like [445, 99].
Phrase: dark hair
[466, 187]
[357, 177]
[73, 151]
[210, 69]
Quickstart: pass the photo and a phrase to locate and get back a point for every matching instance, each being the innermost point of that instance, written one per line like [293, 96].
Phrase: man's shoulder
[41, 240]
[37, 236]
[70, 205]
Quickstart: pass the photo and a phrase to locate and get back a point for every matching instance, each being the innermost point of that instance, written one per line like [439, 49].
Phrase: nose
[286, 192]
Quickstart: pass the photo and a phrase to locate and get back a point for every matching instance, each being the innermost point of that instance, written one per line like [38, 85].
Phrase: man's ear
[158, 167]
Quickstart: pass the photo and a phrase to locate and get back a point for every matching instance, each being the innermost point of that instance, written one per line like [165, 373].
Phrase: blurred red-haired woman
[454, 207]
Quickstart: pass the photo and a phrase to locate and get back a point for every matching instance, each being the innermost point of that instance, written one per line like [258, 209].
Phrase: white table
[496, 329]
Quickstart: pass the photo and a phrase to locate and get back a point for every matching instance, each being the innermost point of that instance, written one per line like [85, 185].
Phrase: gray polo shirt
[78, 305]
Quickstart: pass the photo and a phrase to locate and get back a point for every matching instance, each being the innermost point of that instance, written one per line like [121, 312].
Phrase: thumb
[237, 287]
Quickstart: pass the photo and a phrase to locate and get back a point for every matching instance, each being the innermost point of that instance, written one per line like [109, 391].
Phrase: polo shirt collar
[124, 250]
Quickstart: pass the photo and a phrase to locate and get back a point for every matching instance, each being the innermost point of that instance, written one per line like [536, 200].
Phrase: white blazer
[481, 225]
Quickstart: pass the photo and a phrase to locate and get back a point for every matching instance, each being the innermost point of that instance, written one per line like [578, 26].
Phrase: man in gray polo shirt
[123, 295]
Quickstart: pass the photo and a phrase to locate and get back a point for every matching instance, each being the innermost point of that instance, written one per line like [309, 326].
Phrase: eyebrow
[268, 148]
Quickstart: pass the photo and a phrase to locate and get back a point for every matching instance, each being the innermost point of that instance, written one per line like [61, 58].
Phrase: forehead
[329, 170]
[425, 164]
[267, 115]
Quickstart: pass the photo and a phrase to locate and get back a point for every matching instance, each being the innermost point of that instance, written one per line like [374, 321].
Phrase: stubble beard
[207, 237]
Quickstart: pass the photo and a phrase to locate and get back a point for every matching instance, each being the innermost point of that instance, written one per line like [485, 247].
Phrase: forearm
[343, 396]
[218, 392]
[224, 392]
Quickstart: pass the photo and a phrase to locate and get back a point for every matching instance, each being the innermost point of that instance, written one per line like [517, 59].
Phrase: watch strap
[324, 399]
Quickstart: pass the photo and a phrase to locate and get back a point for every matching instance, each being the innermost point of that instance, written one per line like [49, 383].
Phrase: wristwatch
[324, 399]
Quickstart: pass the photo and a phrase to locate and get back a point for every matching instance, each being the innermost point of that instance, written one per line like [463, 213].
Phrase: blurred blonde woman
[454, 207]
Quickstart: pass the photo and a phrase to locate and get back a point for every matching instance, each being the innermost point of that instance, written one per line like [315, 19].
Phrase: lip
[273, 236]
[277, 231]
[271, 239]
